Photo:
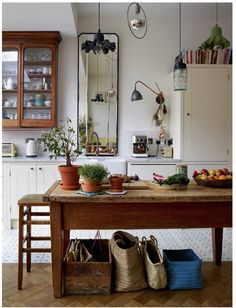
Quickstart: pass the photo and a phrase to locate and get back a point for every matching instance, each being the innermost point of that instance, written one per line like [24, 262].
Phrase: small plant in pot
[92, 177]
[61, 141]
[116, 181]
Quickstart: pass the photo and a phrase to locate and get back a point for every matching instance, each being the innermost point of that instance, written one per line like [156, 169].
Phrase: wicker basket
[214, 183]
[129, 273]
[183, 268]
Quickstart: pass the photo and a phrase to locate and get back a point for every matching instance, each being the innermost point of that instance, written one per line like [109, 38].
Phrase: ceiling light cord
[180, 28]
[99, 16]
[217, 13]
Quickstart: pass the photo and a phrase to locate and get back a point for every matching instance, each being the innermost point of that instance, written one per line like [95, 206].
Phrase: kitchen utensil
[47, 103]
[39, 100]
[9, 85]
[7, 104]
[31, 147]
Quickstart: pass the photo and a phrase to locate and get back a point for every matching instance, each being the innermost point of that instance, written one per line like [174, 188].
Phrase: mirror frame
[117, 94]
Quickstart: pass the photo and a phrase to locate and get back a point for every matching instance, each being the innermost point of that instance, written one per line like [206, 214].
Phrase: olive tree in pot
[92, 177]
[61, 141]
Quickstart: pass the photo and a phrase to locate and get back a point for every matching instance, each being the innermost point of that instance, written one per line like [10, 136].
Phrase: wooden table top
[150, 192]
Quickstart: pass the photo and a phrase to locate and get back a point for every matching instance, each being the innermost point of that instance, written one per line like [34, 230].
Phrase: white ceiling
[64, 17]
[38, 17]
[154, 9]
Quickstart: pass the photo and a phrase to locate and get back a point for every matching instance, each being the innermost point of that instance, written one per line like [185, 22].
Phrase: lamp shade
[180, 75]
[136, 96]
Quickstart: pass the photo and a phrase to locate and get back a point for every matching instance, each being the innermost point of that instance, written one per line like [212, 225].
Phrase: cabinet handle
[40, 168]
[32, 168]
[188, 114]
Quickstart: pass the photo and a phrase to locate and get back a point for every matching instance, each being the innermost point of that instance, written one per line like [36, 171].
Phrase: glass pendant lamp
[180, 68]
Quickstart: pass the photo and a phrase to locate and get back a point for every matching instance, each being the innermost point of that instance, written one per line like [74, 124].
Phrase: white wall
[150, 60]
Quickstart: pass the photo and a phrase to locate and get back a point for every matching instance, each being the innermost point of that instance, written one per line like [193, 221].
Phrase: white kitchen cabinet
[30, 179]
[22, 182]
[200, 118]
[145, 171]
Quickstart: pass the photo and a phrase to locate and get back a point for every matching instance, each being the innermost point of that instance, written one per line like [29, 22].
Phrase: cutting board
[132, 185]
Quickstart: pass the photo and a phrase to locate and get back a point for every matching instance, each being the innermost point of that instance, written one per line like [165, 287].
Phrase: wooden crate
[90, 277]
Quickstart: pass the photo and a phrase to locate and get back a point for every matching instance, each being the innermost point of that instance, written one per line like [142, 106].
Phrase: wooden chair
[25, 205]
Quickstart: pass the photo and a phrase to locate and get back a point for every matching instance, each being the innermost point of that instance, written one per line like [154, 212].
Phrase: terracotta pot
[69, 177]
[89, 186]
[116, 182]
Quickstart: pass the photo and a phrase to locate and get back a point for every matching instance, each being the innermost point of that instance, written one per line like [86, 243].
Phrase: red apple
[219, 172]
[225, 170]
[195, 173]
[204, 171]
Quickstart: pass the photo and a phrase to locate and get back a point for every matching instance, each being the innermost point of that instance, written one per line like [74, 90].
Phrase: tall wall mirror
[98, 99]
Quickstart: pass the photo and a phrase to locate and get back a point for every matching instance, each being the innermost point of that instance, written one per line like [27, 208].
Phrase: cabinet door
[10, 85]
[22, 182]
[46, 175]
[39, 83]
[5, 196]
[145, 172]
[206, 118]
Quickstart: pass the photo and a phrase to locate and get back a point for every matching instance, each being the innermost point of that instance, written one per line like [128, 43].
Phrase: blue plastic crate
[183, 268]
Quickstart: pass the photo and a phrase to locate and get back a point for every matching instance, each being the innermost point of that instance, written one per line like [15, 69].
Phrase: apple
[204, 177]
[204, 171]
[219, 172]
[225, 170]
[222, 177]
[216, 177]
[229, 177]
[212, 172]
[195, 173]
[211, 177]
[198, 177]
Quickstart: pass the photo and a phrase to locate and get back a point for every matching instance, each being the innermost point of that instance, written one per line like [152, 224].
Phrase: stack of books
[201, 56]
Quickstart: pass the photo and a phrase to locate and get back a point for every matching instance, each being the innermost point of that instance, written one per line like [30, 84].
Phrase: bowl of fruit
[218, 178]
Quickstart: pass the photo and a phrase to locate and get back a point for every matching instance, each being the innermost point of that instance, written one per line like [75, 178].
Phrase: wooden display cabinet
[29, 79]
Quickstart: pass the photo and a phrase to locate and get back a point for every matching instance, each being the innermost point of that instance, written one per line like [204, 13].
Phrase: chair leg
[20, 248]
[28, 258]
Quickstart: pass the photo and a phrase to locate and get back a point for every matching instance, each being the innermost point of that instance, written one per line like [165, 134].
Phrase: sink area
[113, 164]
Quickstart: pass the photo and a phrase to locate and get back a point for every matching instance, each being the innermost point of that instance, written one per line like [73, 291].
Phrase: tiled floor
[197, 239]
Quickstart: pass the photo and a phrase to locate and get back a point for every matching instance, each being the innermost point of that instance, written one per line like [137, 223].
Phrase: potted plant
[92, 177]
[61, 141]
[116, 181]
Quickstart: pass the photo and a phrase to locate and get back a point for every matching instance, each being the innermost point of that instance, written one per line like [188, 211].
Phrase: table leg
[66, 239]
[217, 239]
[56, 243]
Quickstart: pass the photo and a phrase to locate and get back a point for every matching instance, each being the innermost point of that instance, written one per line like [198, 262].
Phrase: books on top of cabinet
[201, 56]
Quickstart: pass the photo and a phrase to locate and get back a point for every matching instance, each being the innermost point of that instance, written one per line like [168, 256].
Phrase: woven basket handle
[152, 237]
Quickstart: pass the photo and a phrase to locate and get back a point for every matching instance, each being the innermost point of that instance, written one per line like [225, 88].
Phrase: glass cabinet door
[10, 86]
[37, 85]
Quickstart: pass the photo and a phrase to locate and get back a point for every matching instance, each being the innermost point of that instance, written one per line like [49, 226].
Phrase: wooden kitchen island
[150, 208]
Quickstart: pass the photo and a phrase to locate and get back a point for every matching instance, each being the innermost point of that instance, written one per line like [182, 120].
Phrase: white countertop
[46, 159]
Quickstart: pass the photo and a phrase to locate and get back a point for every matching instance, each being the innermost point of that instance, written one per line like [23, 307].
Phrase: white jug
[9, 84]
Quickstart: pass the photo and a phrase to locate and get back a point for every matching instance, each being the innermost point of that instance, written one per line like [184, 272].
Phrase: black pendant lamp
[99, 43]
[180, 68]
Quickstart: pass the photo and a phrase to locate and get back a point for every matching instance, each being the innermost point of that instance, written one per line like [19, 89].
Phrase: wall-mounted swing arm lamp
[137, 96]
[159, 115]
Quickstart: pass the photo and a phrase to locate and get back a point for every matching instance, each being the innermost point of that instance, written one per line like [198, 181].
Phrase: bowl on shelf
[227, 183]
